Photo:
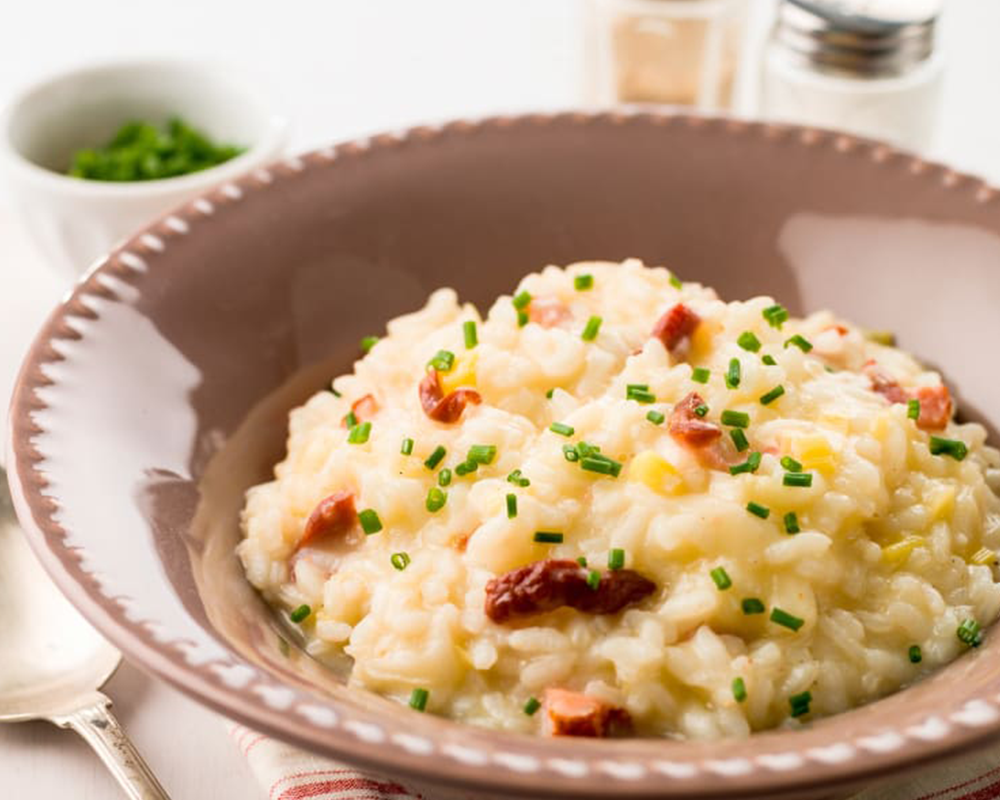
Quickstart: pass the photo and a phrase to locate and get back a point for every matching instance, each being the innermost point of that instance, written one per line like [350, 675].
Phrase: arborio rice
[665, 513]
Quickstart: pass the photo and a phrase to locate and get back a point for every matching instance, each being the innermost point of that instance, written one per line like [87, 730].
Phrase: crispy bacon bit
[885, 385]
[567, 713]
[935, 407]
[334, 516]
[442, 407]
[690, 429]
[553, 583]
[549, 312]
[364, 408]
[676, 327]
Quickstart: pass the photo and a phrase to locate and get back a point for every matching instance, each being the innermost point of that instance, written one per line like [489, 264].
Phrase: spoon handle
[98, 726]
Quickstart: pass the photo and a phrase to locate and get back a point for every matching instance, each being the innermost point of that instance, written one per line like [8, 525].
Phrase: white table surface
[338, 69]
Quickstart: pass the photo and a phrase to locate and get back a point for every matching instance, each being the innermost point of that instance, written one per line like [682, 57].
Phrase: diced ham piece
[442, 407]
[364, 408]
[549, 312]
[675, 329]
[566, 713]
[935, 407]
[335, 516]
[688, 428]
[885, 385]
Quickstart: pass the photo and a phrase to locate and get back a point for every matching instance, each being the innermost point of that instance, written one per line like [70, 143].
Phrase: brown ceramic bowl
[158, 392]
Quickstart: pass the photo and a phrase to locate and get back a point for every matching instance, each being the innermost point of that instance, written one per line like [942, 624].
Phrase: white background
[339, 69]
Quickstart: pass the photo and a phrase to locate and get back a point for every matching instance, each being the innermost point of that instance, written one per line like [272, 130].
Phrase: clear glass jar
[678, 52]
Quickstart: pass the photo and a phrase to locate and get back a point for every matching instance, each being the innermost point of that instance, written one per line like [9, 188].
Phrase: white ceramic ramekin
[73, 220]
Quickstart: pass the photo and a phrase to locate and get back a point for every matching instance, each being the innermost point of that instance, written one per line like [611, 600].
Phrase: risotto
[618, 504]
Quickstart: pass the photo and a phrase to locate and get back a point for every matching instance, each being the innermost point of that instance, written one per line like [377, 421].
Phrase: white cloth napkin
[288, 773]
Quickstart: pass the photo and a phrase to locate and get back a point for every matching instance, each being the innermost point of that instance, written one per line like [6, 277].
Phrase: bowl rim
[784, 762]
[271, 140]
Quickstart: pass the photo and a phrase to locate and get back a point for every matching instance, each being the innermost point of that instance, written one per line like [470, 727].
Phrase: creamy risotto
[619, 504]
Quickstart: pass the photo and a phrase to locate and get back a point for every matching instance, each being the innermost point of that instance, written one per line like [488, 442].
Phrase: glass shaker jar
[678, 52]
[868, 67]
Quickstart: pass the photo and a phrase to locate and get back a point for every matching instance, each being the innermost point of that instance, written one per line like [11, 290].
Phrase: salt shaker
[680, 52]
[868, 67]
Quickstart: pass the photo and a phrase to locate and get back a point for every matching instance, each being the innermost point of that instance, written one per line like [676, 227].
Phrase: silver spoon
[52, 662]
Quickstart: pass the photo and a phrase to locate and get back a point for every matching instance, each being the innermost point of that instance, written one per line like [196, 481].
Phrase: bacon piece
[676, 327]
[364, 408]
[935, 407]
[334, 516]
[690, 429]
[442, 407]
[885, 384]
[553, 583]
[549, 312]
[567, 713]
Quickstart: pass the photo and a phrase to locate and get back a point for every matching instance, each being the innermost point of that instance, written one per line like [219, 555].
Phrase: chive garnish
[517, 478]
[300, 613]
[562, 429]
[601, 464]
[368, 343]
[775, 315]
[585, 449]
[335, 393]
[913, 409]
[359, 433]
[522, 318]
[800, 479]
[771, 396]
[583, 282]
[791, 464]
[594, 579]
[750, 465]
[751, 605]
[443, 361]
[800, 342]
[482, 453]
[590, 330]
[370, 523]
[739, 439]
[786, 620]
[733, 373]
[915, 654]
[948, 447]
[435, 458]
[407, 447]
[758, 510]
[511, 506]
[799, 703]
[570, 454]
[581, 560]
[721, 578]
[737, 419]
[470, 333]
[532, 706]
[970, 633]
[466, 468]
[655, 417]
[639, 393]
[792, 523]
[701, 410]
[400, 560]
[769, 360]
[521, 300]
[444, 477]
[739, 690]
[749, 342]
[418, 699]
[676, 282]
[549, 393]
[700, 375]
[548, 537]
[350, 419]
[436, 499]
[616, 558]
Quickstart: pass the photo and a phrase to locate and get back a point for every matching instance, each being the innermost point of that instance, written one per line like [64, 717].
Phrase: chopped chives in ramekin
[400, 561]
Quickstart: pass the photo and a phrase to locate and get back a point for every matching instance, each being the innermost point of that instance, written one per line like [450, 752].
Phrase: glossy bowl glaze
[158, 392]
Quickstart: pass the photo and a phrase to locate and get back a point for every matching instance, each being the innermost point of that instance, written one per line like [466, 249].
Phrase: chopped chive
[792, 523]
[444, 477]
[616, 558]
[562, 429]
[913, 409]
[970, 633]
[791, 464]
[418, 699]
[300, 613]
[799, 703]
[655, 417]
[400, 560]
[750, 465]
[739, 690]
[751, 605]
[700, 375]
[521, 300]
[749, 342]
[721, 578]
[786, 620]
[584, 449]
[769, 360]
[407, 447]
[532, 706]
[948, 447]
[359, 433]
[758, 510]
[594, 579]
[466, 468]
[775, 315]
[370, 523]
[435, 458]
[602, 465]
[676, 282]
[640, 394]
[583, 282]
[581, 560]
[771, 396]
[590, 330]
[548, 537]
[350, 419]
[522, 318]
[733, 373]
[915, 654]
[517, 478]
[443, 361]
[511, 506]
[470, 333]
[436, 499]
[800, 342]
[701, 410]
[549, 393]
[737, 419]
[800, 479]
[570, 454]
[335, 393]
[368, 343]
[739, 439]
[482, 453]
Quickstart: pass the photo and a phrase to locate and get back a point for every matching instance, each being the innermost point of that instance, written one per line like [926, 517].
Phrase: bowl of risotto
[548, 456]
